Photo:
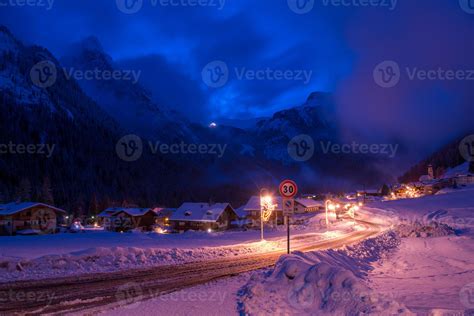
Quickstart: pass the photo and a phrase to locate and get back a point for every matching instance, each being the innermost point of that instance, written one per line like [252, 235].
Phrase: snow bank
[424, 229]
[97, 260]
[323, 283]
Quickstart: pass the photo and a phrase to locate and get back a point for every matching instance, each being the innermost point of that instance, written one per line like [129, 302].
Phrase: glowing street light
[266, 208]
[331, 207]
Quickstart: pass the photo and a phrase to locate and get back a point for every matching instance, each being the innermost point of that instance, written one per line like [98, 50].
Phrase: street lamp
[266, 208]
[331, 207]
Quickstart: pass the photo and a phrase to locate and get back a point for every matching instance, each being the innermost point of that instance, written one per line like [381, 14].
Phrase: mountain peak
[91, 43]
[7, 40]
[318, 98]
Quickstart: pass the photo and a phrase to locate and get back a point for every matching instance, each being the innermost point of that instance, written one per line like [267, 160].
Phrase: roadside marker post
[288, 190]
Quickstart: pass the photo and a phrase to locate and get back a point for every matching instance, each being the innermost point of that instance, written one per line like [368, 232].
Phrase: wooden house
[203, 216]
[29, 218]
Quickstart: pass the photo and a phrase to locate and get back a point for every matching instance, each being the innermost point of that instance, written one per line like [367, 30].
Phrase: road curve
[75, 294]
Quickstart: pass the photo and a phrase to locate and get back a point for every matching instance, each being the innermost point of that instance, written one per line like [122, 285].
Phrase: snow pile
[424, 229]
[323, 283]
[102, 259]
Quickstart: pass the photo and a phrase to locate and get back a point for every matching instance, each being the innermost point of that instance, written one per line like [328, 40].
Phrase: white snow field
[49, 256]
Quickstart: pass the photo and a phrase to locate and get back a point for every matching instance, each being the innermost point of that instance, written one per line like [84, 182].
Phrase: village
[34, 218]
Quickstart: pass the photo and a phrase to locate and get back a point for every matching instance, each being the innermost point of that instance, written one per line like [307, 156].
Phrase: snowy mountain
[119, 93]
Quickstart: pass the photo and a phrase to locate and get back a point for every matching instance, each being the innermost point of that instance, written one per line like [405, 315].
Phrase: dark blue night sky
[340, 45]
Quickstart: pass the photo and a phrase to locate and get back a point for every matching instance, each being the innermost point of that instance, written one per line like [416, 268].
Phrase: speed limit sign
[288, 189]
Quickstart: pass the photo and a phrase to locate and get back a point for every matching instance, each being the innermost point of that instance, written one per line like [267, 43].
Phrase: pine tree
[24, 190]
[47, 192]
[94, 205]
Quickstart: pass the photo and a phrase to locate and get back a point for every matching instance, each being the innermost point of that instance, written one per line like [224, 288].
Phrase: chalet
[203, 216]
[125, 219]
[107, 214]
[308, 205]
[29, 218]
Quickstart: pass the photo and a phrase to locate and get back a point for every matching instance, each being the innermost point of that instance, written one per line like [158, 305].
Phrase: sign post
[288, 190]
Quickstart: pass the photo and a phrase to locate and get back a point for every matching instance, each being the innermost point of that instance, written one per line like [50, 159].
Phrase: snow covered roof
[254, 204]
[461, 170]
[200, 212]
[241, 212]
[132, 211]
[310, 203]
[17, 207]
[163, 212]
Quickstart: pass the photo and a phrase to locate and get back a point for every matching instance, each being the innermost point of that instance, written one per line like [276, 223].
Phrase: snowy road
[74, 294]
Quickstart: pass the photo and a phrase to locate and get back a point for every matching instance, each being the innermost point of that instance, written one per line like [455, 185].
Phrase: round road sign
[288, 189]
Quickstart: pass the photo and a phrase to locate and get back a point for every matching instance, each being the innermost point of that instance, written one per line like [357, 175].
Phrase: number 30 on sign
[288, 189]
